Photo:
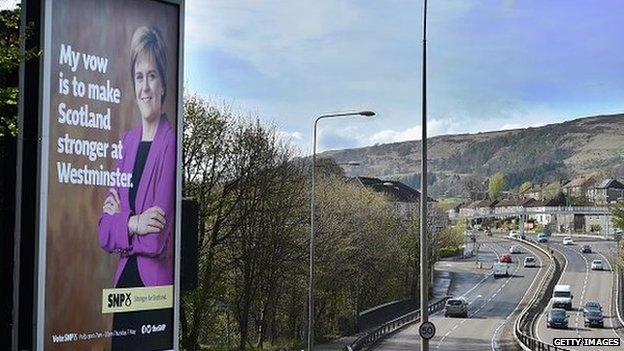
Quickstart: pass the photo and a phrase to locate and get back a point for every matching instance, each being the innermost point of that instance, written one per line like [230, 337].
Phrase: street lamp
[424, 292]
[311, 273]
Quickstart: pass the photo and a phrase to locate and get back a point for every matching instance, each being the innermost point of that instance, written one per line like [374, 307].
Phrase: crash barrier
[526, 321]
[619, 302]
[378, 315]
[375, 335]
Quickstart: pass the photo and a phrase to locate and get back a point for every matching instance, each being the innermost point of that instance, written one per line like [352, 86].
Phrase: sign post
[427, 330]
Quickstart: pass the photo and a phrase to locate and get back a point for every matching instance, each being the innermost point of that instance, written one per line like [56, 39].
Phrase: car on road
[597, 265]
[568, 240]
[515, 249]
[586, 249]
[530, 261]
[562, 297]
[488, 232]
[557, 318]
[456, 307]
[505, 259]
[500, 270]
[514, 234]
[591, 305]
[541, 238]
[594, 318]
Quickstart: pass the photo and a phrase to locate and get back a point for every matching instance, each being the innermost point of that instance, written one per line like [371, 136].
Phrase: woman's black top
[130, 278]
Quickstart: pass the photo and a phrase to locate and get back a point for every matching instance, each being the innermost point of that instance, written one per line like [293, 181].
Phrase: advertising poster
[108, 232]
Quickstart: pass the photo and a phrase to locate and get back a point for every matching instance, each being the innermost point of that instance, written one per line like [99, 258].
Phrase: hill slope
[591, 145]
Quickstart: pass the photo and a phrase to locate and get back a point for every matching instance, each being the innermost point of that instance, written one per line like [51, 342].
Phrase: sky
[491, 64]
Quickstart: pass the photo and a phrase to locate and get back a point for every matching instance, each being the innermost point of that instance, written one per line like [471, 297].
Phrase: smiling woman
[137, 223]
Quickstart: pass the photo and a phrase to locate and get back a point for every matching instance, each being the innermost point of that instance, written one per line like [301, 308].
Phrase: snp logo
[148, 329]
[119, 300]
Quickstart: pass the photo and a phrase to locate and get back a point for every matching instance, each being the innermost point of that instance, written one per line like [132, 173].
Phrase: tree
[617, 210]
[552, 190]
[254, 231]
[524, 187]
[472, 186]
[10, 58]
[496, 185]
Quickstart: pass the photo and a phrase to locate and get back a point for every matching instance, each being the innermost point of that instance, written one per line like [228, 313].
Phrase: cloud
[291, 61]
[269, 35]
[393, 136]
[434, 127]
[8, 4]
[296, 140]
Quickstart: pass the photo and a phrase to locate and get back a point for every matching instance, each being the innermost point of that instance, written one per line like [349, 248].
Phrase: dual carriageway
[495, 303]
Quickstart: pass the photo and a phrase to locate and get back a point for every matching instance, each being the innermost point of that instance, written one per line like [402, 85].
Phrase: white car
[530, 261]
[597, 265]
[500, 270]
[515, 249]
[568, 240]
[513, 234]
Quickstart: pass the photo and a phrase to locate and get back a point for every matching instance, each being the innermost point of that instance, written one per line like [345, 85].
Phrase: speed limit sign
[426, 330]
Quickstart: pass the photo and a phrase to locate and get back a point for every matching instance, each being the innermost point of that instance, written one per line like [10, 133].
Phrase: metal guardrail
[619, 303]
[525, 323]
[387, 329]
[522, 211]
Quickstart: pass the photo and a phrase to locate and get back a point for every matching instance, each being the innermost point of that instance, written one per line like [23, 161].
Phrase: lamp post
[424, 292]
[311, 272]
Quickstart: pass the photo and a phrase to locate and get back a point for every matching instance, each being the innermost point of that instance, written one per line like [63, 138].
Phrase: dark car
[586, 249]
[505, 259]
[592, 305]
[594, 318]
[557, 318]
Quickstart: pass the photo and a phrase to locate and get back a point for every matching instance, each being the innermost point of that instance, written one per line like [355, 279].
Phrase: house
[578, 187]
[484, 207]
[508, 205]
[542, 206]
[607, 191]
[469, 209]
[404, 198]
[534, 193]
[453, 213]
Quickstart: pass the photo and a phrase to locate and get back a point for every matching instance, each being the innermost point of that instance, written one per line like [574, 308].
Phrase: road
[491, 300]
[586, 285]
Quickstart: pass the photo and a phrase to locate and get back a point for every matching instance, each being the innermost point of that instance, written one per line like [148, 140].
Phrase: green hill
[590, 145]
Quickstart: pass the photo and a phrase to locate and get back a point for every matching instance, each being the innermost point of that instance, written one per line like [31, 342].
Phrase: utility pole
[424, 282]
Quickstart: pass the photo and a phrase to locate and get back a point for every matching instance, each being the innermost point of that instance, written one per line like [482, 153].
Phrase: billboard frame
[45, 81]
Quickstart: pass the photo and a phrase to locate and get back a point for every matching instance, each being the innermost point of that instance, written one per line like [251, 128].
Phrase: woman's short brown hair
[148, 41]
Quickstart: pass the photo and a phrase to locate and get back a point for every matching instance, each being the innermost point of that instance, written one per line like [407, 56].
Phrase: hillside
[590, 145]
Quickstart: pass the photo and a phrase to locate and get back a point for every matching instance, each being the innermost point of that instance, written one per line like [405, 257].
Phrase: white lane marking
[495, 336]
[484, 304]
[577, 314]
[491, 248]
[578, 333]
[494, 341]
[486, 276]
[540, 319]
[613, 277]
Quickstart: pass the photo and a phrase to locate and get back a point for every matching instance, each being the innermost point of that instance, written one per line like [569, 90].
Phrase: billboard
[110, 180]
